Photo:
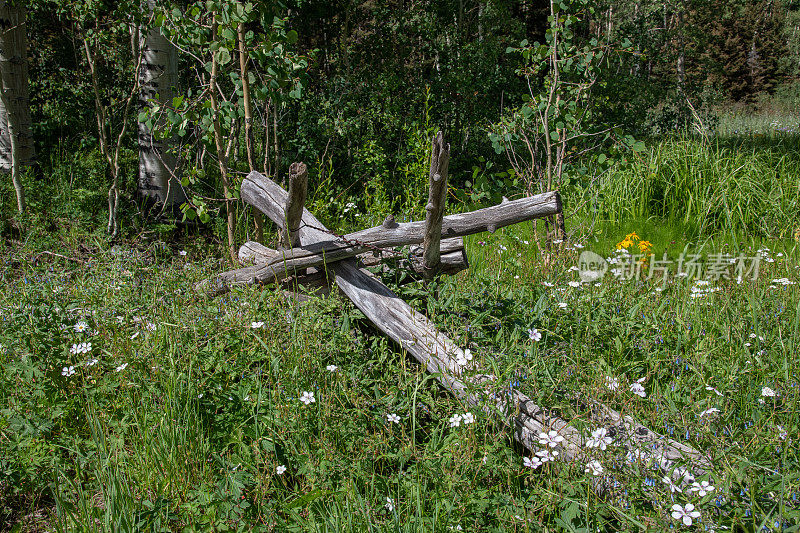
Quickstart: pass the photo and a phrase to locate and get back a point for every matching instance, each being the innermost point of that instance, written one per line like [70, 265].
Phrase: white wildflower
[532, 462]
[547, 455]
[685, 514]
[68, 371]
[702, 488]
[393, 418]
[638, 389]
[280, 470]
[307, 397]
[670, 484]
[594, 467]
[455, 421]
[551, 438]
[599, 439]
[464, 358]
[535, 335]
[467, 418]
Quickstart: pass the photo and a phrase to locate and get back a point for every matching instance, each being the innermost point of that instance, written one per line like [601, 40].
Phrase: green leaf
[638, 146]
[223, 56]
[227, 33]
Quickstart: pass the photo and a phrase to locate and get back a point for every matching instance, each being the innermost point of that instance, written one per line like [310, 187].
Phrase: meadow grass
[734, 186]
[193, 405]
[128, 403]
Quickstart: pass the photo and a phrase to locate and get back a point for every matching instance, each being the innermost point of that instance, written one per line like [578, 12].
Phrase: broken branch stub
[434, 210]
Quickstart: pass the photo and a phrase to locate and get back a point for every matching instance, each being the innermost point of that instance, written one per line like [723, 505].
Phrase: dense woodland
[207, 91]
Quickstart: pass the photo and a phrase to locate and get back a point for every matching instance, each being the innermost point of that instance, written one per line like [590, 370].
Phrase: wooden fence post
[298, 184]
[434, 210]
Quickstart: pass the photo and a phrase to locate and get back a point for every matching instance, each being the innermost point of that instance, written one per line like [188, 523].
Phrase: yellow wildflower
[645, 246]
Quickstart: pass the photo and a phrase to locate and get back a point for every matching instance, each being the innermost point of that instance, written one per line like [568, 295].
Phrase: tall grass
[708, 186]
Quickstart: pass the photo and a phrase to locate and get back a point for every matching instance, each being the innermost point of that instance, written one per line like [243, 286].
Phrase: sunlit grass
[192, 419]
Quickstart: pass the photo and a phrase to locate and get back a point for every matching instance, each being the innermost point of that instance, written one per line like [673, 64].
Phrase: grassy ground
[127, 403]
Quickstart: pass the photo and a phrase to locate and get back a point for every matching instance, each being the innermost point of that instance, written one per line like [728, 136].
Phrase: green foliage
[276, 73]
[189, 435]
[729, 186]
[551, 137]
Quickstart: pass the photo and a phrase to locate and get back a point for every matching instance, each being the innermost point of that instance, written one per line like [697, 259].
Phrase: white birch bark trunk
[158, 77]
[16, 141]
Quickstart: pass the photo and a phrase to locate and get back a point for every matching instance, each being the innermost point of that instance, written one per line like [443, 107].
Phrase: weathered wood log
[419, 337]
[453, 256]
[453, 260]
[260, 194]
[434, 210]
[298, 183]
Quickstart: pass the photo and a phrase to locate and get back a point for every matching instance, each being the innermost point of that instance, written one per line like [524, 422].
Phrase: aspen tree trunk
[158, 78]
[16, 141]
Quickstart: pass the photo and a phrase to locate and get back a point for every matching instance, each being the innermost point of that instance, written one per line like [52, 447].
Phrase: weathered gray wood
[452, 252]
[417, 335]
[434, 210]
[298, 183]
[259, 192]
[410, 329]
[420, 338]
[253, 252]
[271, 267]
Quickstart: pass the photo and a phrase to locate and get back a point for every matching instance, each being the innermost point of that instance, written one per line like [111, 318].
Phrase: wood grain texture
[255, 192]
[434, 210]
[259, 257]
[421, 339]
[298, 185]
[413, 331]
